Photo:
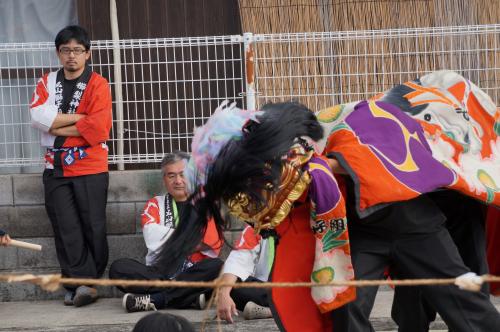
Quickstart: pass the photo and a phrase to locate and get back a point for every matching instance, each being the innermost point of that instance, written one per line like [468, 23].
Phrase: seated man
[159, 221]
[248, 261]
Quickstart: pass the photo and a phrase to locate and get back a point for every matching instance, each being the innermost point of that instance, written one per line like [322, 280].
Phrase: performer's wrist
[225, 291]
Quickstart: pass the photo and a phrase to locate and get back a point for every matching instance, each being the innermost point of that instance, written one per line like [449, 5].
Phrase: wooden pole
[25, 245]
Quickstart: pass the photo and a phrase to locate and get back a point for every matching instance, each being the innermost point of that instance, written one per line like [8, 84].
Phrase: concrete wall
[23, 213]
[23, 216]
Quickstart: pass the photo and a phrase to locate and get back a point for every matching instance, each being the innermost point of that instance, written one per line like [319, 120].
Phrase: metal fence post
[250, 94]
[118, 84]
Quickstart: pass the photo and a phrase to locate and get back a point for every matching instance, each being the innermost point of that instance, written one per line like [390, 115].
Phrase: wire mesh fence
[324, 69]
[169, 86]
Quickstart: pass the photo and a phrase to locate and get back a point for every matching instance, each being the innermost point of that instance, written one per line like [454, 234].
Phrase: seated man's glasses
[76, 51]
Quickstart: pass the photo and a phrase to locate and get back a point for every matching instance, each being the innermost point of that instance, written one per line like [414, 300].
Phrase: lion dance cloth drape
[439, 131]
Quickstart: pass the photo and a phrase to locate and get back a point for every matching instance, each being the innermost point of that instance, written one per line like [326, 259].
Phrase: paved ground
[107, 315]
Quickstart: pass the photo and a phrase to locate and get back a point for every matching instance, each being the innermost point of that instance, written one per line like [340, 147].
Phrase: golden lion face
[293, 183]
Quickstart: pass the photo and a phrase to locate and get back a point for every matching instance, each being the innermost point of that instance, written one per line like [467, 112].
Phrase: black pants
[175, 297]
[77, 211]
[465, 223]
[411, 237]
[241, 296]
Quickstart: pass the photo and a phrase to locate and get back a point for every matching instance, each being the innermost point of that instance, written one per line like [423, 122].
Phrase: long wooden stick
[25, 245]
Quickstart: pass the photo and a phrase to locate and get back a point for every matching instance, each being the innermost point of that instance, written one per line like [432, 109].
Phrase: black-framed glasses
[75, 51]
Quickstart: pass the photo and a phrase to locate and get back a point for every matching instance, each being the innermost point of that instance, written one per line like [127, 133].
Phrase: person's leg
[205, 270]
[241, 296]
[434, 255]
[370, 256]
[138, 298]
[72, 253]
[91, 195]
[410, 311]
[130, 269]
[464, 221]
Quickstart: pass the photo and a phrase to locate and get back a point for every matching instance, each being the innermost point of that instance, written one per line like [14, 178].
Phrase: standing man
[163, 216]
[72, 109]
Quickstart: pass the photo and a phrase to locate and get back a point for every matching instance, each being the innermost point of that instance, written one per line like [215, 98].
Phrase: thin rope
[51, 282]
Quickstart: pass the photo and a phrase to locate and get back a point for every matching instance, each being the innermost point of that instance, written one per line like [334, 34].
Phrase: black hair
[75, 32]
[161, 321]
[245, 165]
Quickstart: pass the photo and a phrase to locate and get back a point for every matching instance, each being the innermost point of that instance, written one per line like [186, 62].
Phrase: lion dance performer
[272, 168]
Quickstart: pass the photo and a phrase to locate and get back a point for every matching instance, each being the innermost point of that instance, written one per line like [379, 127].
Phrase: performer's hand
[80, 116]
[65, 131]
[65, 120]
[4, 240]
[225, 306]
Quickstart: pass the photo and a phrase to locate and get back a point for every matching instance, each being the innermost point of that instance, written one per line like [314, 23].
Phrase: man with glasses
[72, 109]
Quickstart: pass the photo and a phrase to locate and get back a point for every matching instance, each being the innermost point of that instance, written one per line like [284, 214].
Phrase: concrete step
[17, 260]
[107, 315]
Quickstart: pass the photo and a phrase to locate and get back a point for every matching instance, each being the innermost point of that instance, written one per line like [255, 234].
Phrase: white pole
[115, 35]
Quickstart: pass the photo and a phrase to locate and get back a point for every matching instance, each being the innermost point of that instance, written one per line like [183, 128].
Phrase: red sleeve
[95, 127]
[248, 239]
[40, 94]
[151, 213]
[212, 238]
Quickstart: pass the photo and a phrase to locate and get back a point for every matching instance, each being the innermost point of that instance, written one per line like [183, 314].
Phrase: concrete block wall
[23, 216]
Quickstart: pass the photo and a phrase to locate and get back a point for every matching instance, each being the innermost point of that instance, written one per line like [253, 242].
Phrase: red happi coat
[89, 150]
[156, 232]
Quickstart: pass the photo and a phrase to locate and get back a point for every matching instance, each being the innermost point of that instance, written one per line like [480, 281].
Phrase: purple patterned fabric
[323, 191]
[386, 130]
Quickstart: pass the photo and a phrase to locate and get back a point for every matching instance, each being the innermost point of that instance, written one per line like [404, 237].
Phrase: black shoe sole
[82, 300]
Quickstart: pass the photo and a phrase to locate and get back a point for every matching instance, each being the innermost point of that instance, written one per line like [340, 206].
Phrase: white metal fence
[171, 85]
[323, 69]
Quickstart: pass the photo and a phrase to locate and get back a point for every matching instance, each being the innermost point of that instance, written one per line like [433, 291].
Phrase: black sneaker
[68, 298]
[135, 303]
[84, 295]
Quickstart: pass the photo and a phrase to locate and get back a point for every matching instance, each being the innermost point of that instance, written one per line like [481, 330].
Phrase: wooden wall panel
[164, 19]
[161, 18]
